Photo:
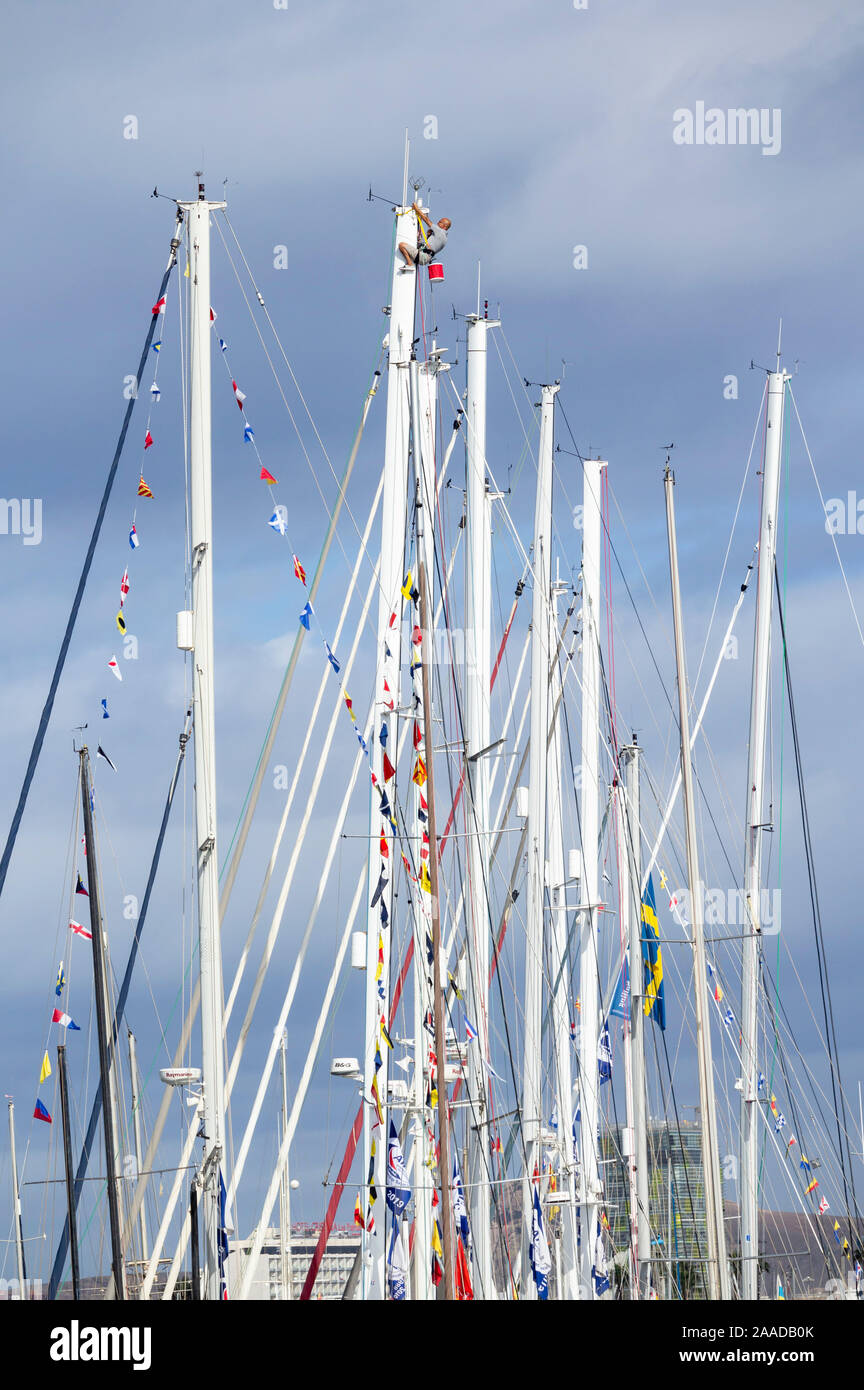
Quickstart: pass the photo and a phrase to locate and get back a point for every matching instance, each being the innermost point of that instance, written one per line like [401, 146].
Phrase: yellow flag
[46, 1069]
[406, 587]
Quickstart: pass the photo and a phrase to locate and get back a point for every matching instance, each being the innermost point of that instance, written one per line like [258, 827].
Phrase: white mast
[209, 937]
[478, 673]
[755, 826]
[424, 398]
[16, 1203]
[567, 1263]
[589, 1033]
[136, 1129]
[388, 669]
[718, 1269]
[285, 1185]
[631, 903]
[541, 656]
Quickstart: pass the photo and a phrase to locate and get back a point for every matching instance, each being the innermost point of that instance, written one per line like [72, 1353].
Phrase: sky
[553, 148]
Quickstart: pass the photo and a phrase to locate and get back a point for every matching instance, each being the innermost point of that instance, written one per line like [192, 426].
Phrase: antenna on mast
[779, 340]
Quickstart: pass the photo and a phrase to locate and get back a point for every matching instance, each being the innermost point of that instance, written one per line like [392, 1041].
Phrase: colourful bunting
[299, 570]
[419, 774]
[143, 489]
[46, 1069]
[267, 477]
[40, 1113]
[112, 666]
[148, 442]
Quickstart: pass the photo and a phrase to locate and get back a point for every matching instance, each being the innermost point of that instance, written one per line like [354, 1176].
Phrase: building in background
[679, 1238]
[333, 1275]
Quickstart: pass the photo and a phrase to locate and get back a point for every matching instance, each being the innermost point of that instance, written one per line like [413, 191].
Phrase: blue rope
[79, 593]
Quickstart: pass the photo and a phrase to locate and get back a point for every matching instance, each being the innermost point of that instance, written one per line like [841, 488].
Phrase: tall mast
[718, 1269]
[478, 672]
[285, 1184]
[388, 669]
[438, 994]
[568, 1263]
[16, 1204]
[209, 935]
[541, 660]
[589, 1033]
[424, 397]
[69, 1170]
[100, 987]
[631, 902]
[755, 827]
[136, 1126]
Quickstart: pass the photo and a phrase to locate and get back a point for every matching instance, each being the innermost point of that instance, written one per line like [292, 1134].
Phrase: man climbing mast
[428, 244]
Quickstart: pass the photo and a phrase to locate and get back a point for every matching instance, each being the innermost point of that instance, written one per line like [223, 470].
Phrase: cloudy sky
[553, 130]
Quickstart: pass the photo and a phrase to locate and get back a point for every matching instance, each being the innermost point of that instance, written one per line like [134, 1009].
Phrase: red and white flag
[124, 587]
[239, 395]
[80, 930]
[112, 666]
[159, 306]
[148, 440]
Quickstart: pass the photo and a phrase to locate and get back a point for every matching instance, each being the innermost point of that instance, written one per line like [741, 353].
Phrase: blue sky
[554, 130]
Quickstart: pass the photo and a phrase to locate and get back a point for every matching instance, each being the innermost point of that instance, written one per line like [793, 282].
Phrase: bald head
[445, 223]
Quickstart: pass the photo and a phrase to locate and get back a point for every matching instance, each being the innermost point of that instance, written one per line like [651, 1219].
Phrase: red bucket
[436, 271]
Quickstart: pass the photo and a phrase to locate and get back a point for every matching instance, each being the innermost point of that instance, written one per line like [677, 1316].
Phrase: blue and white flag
[155, 392]
[460, 1211]
[105, 714]
[222, 1237]
[331, 658]
[470, 1030]
[604, 1055]
[306, 615]
[398, 1268]
[621, 998]
[133, 538]
[600, 1272]
[398, 1187]
[279, 519]
[248, 434]
[538, 1250]
[223, 345]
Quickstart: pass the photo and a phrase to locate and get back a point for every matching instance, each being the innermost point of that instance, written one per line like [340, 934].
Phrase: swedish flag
[652, 960]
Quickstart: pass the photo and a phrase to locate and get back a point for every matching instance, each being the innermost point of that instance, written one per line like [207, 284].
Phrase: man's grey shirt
[435, 241]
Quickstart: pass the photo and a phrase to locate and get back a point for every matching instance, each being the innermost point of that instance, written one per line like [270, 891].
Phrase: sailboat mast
[102, 1028]
[69, 1170]
[541, 658]
[16, 1203]
[630, 895]
[424, 397]
[567, 1249]
[136, 1127]
[755, 828]
[718, 1269]
[478, 672]
[209, 936]
[285, 1185]
[438, 993]
[386, 700]
[589, 1032]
